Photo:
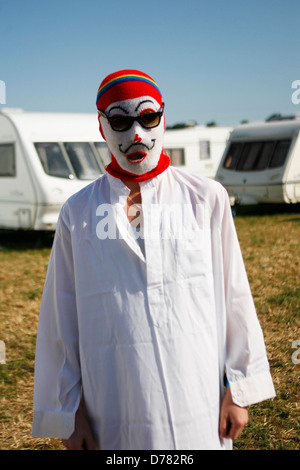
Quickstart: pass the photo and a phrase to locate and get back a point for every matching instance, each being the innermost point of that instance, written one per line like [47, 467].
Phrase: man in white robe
[146, 308]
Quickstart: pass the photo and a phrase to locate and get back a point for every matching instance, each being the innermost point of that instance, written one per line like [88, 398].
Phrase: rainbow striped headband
[126, 84]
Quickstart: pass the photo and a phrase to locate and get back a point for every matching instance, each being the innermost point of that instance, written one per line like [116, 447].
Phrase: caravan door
[17, 195]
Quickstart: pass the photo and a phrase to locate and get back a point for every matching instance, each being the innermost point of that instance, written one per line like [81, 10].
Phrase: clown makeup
[137, 149]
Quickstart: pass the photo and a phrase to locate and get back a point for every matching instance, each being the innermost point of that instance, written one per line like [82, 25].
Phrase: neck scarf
[114, 169]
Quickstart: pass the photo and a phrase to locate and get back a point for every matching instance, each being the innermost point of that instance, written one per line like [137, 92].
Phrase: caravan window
[232, 156]
[264, 156]
[254, 156]
[204, 149]
[103, 153]
[7, 160]
[280, 153]
[176, 156]
[53, 160]
[83, 160]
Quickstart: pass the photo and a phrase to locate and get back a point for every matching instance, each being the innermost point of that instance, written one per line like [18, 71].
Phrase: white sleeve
[57, 383]
[246, 363]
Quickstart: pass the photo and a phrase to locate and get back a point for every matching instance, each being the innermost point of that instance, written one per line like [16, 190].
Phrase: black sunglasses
[148, 120]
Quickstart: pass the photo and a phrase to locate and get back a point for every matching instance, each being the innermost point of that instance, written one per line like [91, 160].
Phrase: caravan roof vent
[279, 117]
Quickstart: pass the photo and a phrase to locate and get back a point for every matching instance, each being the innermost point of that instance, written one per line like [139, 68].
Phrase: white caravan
[44, 159]
[197, 149]
[261, 163]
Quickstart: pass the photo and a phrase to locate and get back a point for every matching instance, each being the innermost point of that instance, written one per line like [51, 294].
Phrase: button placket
[155, 289]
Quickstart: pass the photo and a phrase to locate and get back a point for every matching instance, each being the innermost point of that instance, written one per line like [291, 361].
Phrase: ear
[100, 127]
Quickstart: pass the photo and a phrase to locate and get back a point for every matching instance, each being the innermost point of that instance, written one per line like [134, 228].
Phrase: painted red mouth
[136, 157]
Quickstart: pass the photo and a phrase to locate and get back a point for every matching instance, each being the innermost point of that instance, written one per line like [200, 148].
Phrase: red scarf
[114, 169]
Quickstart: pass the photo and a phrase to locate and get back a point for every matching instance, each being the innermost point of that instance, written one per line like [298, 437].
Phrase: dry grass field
[270, 245]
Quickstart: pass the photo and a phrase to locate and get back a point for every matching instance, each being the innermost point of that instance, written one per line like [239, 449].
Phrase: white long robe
[147, 336]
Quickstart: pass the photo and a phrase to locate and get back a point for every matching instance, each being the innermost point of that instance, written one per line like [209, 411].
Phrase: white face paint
[136, 150]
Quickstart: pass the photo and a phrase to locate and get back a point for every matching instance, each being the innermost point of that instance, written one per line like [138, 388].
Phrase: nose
[136, 134]
[137, 139]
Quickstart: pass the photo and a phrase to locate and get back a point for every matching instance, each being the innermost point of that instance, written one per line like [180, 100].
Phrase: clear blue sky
[213, 60]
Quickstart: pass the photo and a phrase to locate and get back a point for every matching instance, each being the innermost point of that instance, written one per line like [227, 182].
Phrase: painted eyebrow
[142, 102]
[118, 107]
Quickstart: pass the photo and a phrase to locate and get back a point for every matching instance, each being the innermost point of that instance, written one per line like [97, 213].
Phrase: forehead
[133, 106]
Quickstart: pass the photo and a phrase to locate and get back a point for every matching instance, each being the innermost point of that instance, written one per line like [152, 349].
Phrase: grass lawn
[270, 246]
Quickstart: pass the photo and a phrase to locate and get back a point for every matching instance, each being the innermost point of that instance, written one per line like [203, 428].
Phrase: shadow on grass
[20, 240]
[267, 209]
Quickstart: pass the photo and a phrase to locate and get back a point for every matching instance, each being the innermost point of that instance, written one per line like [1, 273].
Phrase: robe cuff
[251, 390]
[53, 424]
